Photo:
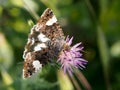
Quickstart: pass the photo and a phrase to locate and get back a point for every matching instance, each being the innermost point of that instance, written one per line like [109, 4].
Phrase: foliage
[94, 22]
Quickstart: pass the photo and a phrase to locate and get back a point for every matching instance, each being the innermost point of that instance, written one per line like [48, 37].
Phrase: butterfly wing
[44, 43]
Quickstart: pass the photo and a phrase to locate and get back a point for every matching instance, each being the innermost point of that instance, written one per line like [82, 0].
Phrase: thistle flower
[71, 57]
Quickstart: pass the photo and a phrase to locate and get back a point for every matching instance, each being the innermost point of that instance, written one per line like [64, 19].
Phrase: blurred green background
[94, 22]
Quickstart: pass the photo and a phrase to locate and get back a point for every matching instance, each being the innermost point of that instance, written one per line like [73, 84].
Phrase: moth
[44, 43]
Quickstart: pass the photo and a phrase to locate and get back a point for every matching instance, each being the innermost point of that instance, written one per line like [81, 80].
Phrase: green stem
[102, 44]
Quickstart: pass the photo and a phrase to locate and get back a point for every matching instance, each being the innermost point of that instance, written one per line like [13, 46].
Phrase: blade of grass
[105, 57]
[30, 10]
[102, 45]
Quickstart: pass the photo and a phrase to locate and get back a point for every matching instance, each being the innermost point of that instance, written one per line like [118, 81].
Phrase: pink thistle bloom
[70, 57]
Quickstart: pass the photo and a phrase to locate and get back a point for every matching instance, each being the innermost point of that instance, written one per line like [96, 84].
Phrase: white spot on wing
[42, 45]
[37, 65]
[24, 53]
[39, 47]
[38, 27]
[26, 56]
[31, 32]
[51, 21]
[23, 74]
[33, 41]
[28, 41]
[43, 38]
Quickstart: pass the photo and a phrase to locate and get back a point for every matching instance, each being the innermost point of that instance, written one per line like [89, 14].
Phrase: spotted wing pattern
[44, 43]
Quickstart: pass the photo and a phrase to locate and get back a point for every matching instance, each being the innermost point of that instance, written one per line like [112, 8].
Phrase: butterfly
[44, 43]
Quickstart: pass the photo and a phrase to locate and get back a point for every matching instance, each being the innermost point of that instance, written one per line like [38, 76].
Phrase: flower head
[71, 57]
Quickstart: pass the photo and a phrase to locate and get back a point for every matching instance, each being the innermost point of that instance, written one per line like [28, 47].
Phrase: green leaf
[7, 79]
[115, 49]
[6, 53]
